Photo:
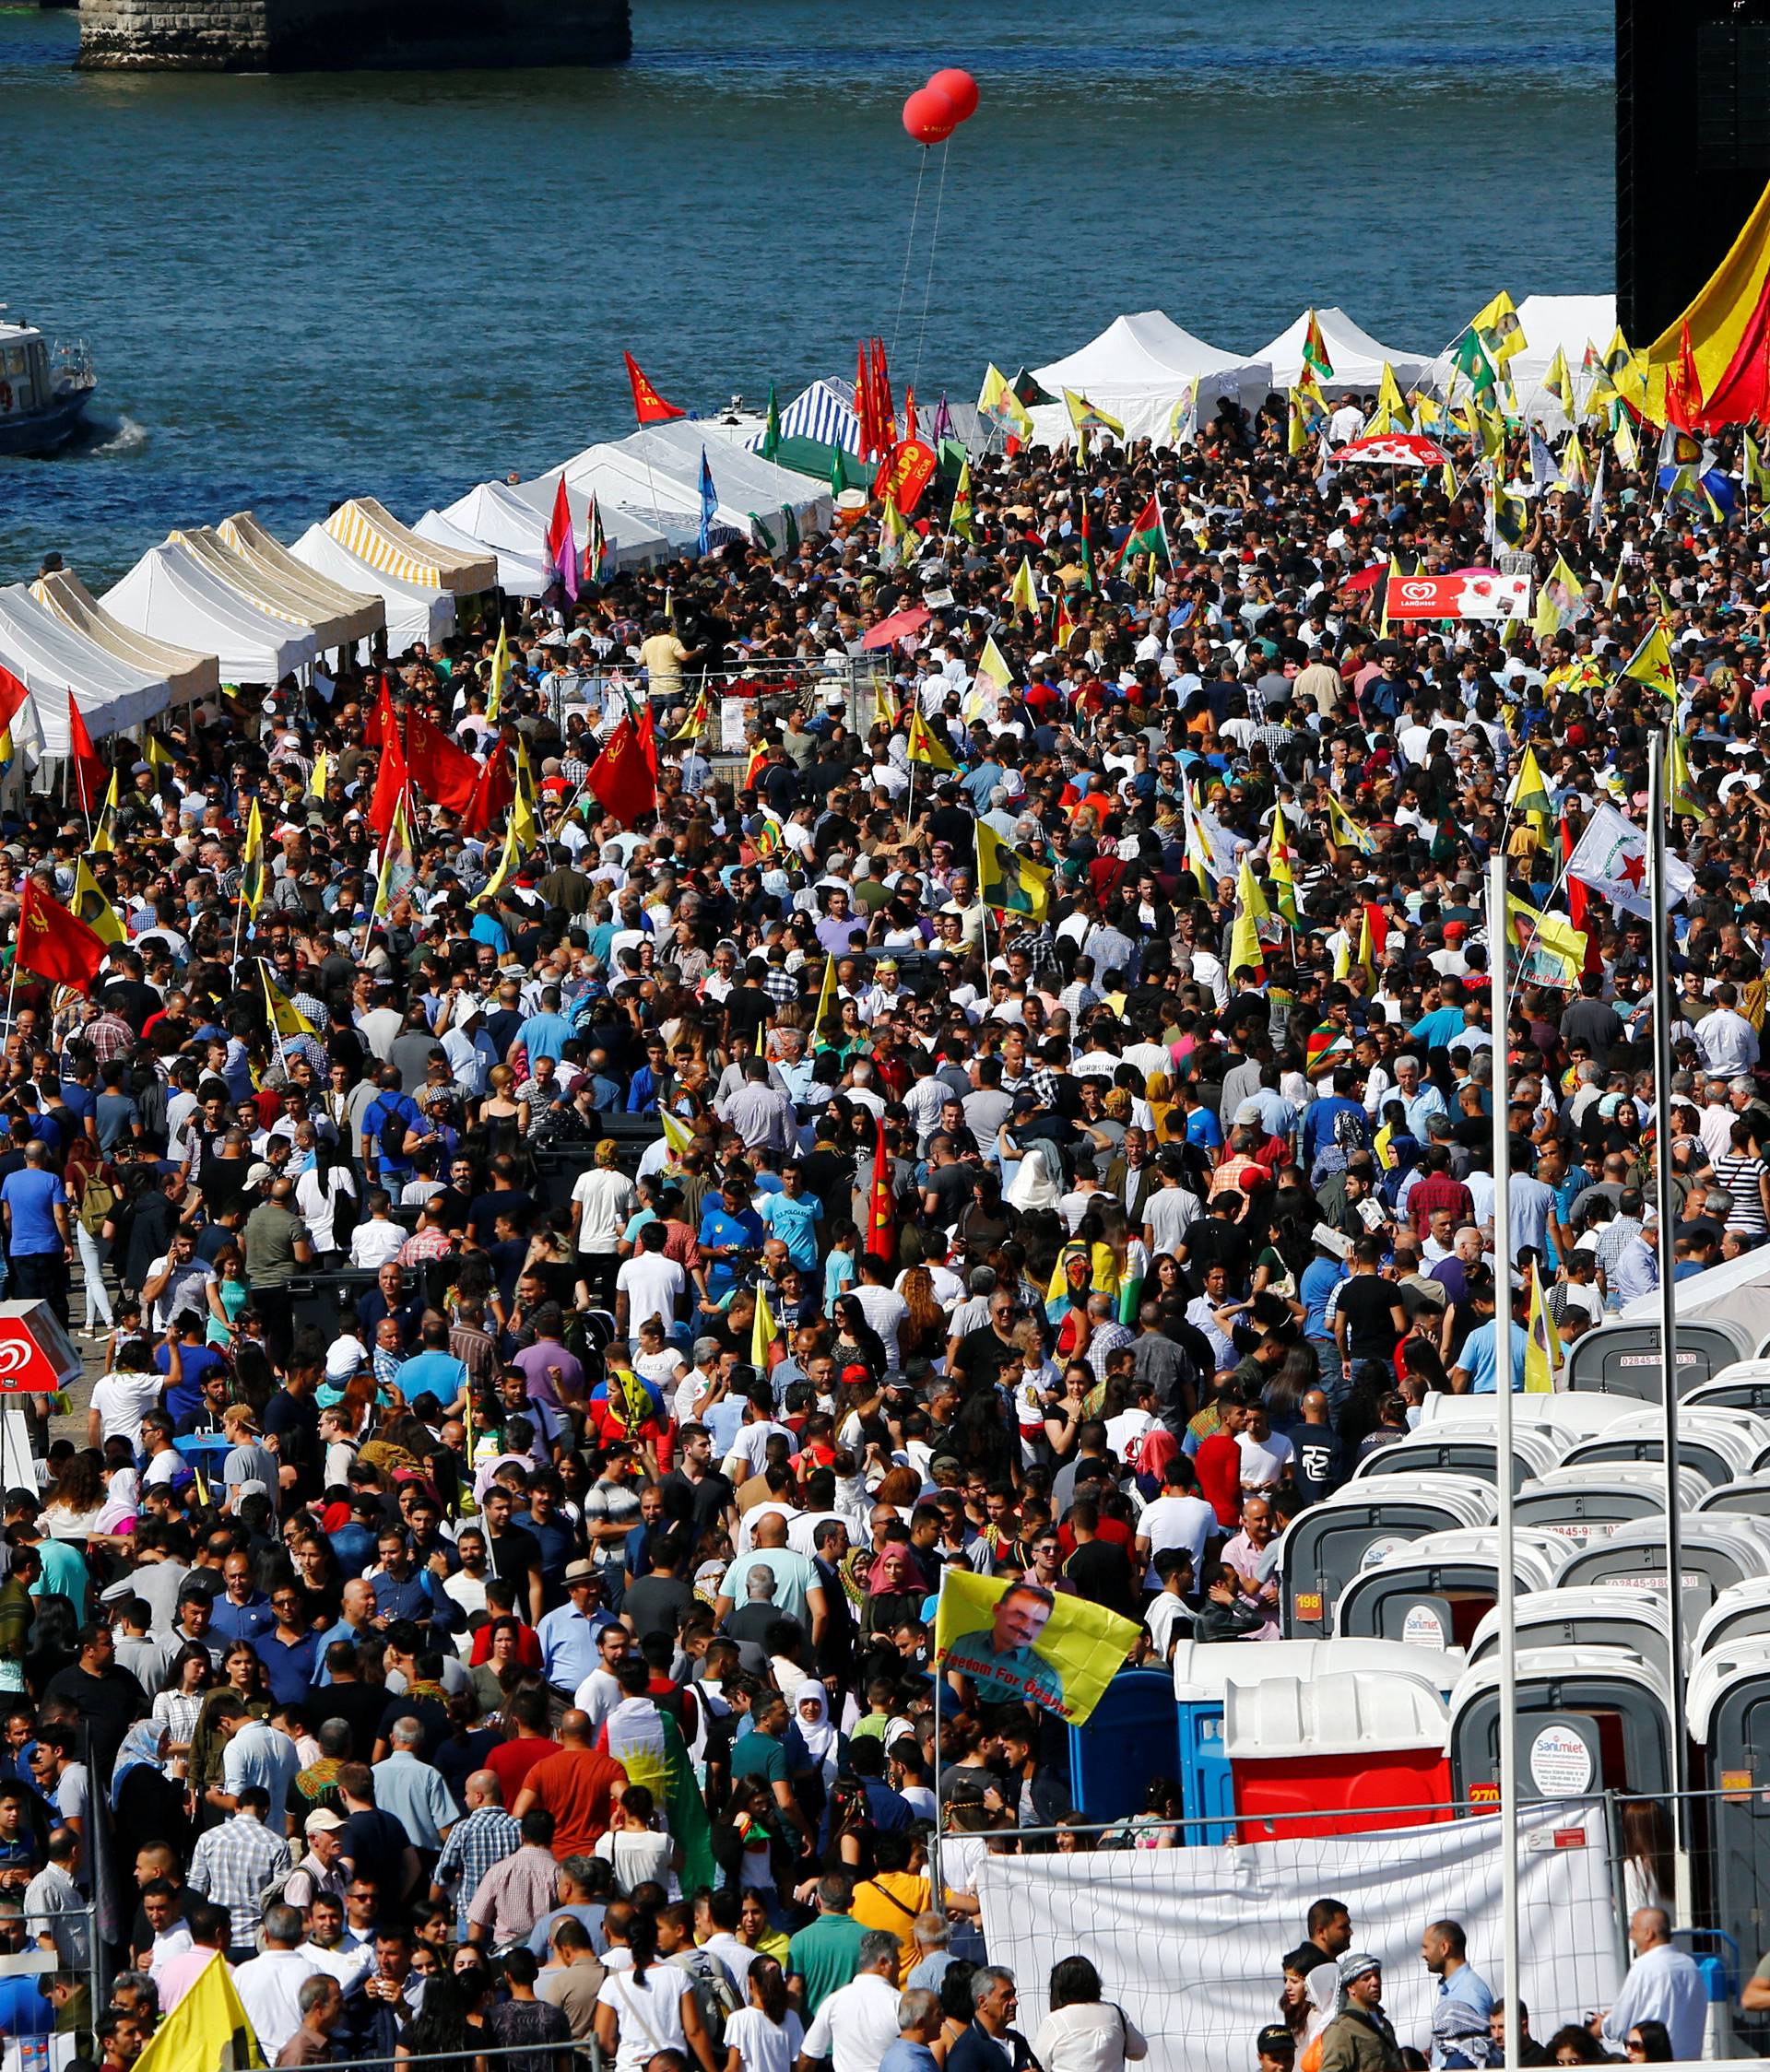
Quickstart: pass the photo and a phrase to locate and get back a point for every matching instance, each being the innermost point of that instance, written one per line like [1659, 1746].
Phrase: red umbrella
[1396, 449]
[898, 626]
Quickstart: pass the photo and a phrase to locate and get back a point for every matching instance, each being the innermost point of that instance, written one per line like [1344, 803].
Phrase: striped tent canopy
[825, 413]
[188, 674]
[375, 536]
[362, 612]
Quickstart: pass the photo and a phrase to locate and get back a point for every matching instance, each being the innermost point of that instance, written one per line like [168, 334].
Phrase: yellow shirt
[892, 1901]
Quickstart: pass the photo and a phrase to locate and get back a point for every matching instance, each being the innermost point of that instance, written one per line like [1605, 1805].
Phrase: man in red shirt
[577, 1786]
[1437, 1190]
[510, 1761]
[1218, 1463]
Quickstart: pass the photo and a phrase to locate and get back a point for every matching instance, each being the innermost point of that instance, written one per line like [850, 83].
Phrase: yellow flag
[1008, 881]
[1023, 595]
[156, 754]
[1501, 334]
[322, 774]
[1065, 1668]
[286, 1017]
[1245, 935]
[252, 872]
[523, 821]
[509, 858]
[1346, 832]
[399, 843]
[677, 1132]
[91, 906]
[1559, 382]
[826, 1000]
[923, 749]
[1541, 1344]
[1086, 419]
[992, 666]
[1651, 665]
[104, 840]
[1389, 396]
[1393, 575]
[208, 2031]
[998, 404]
[762, 1334]
[1279, 869]
[1367, 950]
[499, 670]
[1554, 937]
[1680, 792]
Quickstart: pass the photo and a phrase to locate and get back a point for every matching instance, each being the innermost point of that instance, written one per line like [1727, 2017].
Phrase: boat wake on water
[104, 438]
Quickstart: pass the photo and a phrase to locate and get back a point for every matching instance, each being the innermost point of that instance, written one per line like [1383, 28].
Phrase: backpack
[715, 1994]
[96, 1203]
[391, 1135]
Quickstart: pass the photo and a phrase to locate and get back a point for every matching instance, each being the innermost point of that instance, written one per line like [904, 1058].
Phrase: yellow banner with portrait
[1017, 1640]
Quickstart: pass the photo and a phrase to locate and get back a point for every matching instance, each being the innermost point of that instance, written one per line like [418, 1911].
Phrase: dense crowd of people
[750, 1207]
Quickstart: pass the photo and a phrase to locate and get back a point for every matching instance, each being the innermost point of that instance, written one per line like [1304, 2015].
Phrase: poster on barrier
[1188, 1941]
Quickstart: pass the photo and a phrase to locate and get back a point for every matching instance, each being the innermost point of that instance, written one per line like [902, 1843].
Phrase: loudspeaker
[1693, 148]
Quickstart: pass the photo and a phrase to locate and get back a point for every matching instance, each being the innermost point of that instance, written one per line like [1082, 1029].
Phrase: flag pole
[1659, 936]
[1507, 1602]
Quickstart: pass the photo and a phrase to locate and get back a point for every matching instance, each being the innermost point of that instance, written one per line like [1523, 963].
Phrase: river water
[303, 288]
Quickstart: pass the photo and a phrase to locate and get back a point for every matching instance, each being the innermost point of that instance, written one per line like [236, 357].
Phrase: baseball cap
[1275, 2041]
[325, 1822]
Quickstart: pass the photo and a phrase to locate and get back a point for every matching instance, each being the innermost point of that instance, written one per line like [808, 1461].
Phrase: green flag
[791, 528]
[767, 537]
[837, 483]
[772, 432]
[1470, 357]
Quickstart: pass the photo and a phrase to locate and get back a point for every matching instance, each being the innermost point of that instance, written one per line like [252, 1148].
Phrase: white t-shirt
[761, 2047]
[374, 1242]
[606, 1200]
[885, 1312]
[649, 2012]
[1263, 1459]
[1176, 1522]
[653, 1285]
[122, 1400]
[637, 1857]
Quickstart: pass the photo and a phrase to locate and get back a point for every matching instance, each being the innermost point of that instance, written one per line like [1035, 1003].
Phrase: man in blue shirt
[568, 1634]
[386, 1122]
[547, 1033]
[403, 1592]
[792, 1215]
[38, 1243]
[1478, 1364]
[731, 1234]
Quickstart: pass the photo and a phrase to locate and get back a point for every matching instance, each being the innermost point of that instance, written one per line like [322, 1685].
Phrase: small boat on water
[44, 390]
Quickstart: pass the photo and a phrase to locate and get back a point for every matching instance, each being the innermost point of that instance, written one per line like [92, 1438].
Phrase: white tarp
[1736, 1291]
[1188, 1941]
[1138, 368]
[648, 514]
[51, 658]
[414, 612]
[357, 613]
[496, 518]
[190, 675]
[633, 543]
[172, 595]
[742, 481]
[1356, 358]
[257, 586]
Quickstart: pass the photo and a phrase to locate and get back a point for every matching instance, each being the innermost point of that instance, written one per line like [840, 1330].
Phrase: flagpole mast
[1660, 934]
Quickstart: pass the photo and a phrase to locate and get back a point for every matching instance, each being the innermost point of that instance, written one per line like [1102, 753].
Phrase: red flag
[909, 415]
[882, 395]
[1379, 926]
[1684, 389]
[54, 944]
[864, 404]
[649, 407]
[623, 777]
[561, 551]
[381, 726]
[13, 693]
[91, 772]
[393, 780]
[1578, 900]
[438, 768]
[881, 1209]
[494, 792]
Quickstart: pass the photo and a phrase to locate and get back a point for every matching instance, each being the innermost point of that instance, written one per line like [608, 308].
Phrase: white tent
[494, 518]
[1138, 368]
[190, 675]
[357, 613]
[172, 596]
[741, 479]
[1356, 358]
[415, 612]
[1736, 1291]
[1559, 322]
[633, 542]
[373, 535]
[269, 593]
[53, 659]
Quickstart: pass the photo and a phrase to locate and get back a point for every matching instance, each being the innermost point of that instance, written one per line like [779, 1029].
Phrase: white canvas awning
[53, 659]
[189, 675]
[741, 479]
[1138, 368]
[269, 593]
[414, 612]
[493, 518]
[375, 536]
[358, 613]
[1356, 358]
[171, 594]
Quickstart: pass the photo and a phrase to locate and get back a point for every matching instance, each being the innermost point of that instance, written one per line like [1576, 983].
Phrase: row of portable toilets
[1380, 1706]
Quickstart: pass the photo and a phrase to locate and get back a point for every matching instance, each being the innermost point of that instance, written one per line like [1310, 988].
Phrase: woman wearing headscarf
[895, 1589]
[147, 1805]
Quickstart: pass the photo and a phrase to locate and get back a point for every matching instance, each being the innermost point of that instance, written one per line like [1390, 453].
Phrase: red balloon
[960, 88]
[928, 116]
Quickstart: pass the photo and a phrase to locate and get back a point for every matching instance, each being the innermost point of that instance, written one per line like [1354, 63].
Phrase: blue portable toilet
[1203, 1671]
[1127, 1739]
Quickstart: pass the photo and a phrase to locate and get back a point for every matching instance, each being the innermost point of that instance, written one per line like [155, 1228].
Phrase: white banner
[1611, 857]
[1189, 1941]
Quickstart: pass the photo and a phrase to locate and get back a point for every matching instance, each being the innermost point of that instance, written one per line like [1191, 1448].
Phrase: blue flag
[709, 503]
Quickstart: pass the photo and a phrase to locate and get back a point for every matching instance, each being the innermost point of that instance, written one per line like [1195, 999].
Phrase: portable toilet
[1465, 1446]
[1747, 1498]
[1740, 1613]
[1728, 1710]
[1588, 1720]
[1326, 1545]
[1716, 1553]
[1203, 1672]
[1347, 1752]
[1435, 1593]
[1578, 1416]
[1624, 1359]
[1122, 1744]
[1721, 1445]
[1599, 1614]
[1585, 1504]
[1743, 1385]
